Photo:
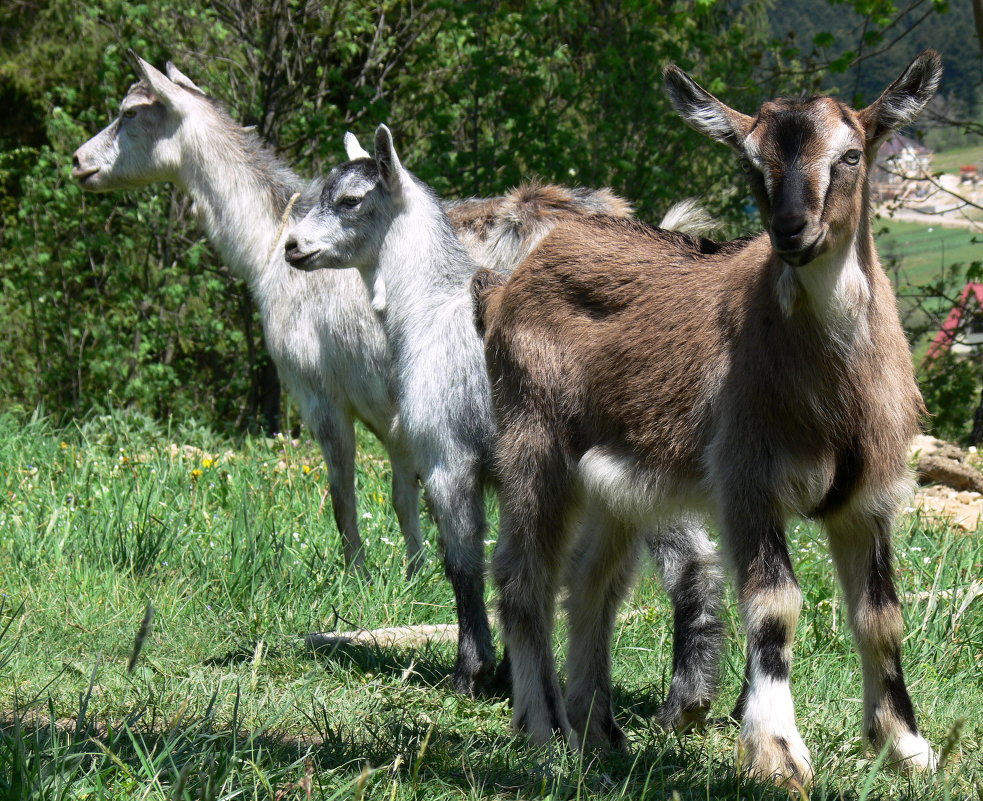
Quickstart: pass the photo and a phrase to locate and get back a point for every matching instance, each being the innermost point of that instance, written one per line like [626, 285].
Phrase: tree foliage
[119, 299]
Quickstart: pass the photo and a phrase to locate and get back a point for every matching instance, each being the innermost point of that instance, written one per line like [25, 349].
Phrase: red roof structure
[953, 324]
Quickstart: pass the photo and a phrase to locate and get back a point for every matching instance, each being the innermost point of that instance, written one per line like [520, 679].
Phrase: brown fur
[759, 378]
[514, 223]
[623, 313]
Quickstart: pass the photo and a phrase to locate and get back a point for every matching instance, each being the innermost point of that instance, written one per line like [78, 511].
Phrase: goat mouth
[82, 175]
[302, 261]
[801, 256]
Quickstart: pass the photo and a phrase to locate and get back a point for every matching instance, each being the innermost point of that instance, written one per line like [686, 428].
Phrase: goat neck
[422, 265]
[240, 192]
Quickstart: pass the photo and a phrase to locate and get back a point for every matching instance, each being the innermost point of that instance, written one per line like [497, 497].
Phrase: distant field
[952, 160]
[922, 252]
[917, 255]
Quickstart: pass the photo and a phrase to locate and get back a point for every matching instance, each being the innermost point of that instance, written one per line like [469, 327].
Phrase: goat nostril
[75, 161]
[787, 227]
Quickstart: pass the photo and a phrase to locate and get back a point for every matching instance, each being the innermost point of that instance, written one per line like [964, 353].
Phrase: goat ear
[904, 99]
[702, 111]
[178, 77]
[353, 148]
[162, 86]
[387, 161]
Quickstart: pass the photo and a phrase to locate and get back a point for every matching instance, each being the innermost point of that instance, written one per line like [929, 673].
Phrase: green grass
[923, 252]
[951, 160]
[231, 548]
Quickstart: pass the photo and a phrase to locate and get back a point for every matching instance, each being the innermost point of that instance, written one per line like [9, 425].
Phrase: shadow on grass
[200, 758]
[421, 665]
[403, 745]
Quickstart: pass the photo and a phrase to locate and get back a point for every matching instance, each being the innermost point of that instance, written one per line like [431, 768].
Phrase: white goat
[328, 345]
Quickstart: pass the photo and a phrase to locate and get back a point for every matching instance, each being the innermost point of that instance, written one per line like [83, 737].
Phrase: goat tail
[486, 286]
[689, 217]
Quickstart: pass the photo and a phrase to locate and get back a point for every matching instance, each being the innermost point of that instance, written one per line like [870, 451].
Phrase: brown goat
[639, 373]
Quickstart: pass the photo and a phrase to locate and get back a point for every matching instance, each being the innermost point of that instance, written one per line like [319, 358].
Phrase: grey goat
[375, 216]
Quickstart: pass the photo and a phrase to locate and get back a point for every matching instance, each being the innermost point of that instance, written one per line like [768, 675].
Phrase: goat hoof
[781, 759]
[473, 682]
[911, 752]
[673, 716]
[603, 734]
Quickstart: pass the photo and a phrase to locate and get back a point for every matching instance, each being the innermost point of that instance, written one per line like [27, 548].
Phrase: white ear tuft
[702, 111]
[904, 99]
[354, 149]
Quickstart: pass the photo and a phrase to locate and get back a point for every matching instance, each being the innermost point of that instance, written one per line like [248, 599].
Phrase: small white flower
[366, 515]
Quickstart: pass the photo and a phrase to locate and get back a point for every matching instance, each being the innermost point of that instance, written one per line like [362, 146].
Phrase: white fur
[330, 350]
[769, 716]
[912, 751]
[834, 287]
[353, 149]
[631, 492]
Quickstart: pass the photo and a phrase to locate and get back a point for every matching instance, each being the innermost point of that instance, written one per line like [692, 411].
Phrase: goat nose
[75, 161]
[290, 244]
[787, 226]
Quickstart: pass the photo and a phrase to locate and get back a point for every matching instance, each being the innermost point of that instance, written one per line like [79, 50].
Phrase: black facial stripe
[847, 120]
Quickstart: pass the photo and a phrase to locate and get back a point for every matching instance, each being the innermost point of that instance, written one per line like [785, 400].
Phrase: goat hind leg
[406, 502]
[335, 434]
[599, 575]
[531, 547]
[861, 549]
[689, 567]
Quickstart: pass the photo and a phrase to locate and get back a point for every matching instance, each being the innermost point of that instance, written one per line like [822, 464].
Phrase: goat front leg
[458, 505]
[689, 567]
[770, 746]
[598, 577]
[861, 548]
[335, 433]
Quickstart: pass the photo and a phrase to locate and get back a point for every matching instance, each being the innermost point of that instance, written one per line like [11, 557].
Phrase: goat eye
[349, 202]
[852, 157]
[746, 165]
[130, 113]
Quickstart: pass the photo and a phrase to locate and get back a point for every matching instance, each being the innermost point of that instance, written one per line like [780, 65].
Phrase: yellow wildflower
[195, 473]
[306, 469]
[208, 463]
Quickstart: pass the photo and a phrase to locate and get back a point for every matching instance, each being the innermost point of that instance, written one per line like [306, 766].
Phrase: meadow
[230, 542]
[925, 254]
